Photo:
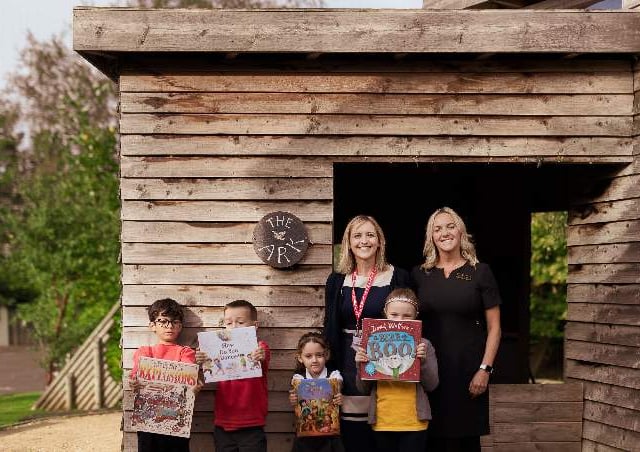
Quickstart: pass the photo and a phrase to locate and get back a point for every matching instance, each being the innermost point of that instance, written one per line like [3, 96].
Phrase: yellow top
[396, 408]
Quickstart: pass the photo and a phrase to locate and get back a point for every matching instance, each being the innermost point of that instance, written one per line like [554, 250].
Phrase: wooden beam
[452, 4]
[516, 4]
[114, 30]
[563, 4]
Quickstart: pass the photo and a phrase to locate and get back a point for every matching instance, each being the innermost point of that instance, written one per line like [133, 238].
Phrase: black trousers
[357, 436]
[250, 439]
[464, 444]
[401, 441]
[155, 442]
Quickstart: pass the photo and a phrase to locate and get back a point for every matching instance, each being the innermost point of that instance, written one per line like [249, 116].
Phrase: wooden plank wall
[603, 333]
[535, 418]
[205, 154]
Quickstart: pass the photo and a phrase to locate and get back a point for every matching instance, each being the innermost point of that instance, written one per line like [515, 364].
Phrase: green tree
[63, 244]
[59, 192]
[10, 140]
[548, 300]
[59, 220]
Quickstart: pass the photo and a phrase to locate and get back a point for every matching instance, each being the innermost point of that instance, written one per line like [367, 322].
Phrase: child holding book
[311, 359]
[399, 412]
[241, 405]
[165, 320]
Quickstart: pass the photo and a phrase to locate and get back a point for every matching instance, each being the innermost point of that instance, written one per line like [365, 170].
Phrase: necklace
[358, 306]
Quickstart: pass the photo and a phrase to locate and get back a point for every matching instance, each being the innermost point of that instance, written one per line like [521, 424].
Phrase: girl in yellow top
[399, 411]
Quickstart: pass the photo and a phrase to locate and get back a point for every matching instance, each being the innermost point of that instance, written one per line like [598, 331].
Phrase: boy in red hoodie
[241, 405]
[165, 320]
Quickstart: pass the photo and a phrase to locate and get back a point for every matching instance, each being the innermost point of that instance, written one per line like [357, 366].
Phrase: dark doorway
[496, 202]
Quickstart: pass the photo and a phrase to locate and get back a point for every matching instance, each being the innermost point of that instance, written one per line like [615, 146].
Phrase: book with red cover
[391, 347]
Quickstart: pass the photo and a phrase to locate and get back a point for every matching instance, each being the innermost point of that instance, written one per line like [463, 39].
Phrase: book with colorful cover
[391, 347]
[316, 414]
[164, 402]
[229, 354]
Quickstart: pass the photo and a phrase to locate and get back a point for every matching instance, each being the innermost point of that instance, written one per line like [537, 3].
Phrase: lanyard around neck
[358, 307]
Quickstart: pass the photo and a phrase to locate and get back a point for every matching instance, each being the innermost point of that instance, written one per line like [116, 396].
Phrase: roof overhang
[103, 34]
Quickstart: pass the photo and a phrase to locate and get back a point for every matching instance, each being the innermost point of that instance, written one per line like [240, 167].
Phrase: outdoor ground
[98, 432]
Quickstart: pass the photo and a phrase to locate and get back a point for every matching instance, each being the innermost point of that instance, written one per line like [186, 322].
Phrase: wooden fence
[84, 383]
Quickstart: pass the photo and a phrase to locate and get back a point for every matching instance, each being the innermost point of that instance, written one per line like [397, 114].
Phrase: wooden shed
[229, 115]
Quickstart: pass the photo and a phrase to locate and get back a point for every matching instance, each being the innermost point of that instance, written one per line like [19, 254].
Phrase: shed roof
[102, 34]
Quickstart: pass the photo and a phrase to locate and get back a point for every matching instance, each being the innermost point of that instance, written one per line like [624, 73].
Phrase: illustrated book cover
[229, 354]
[164, 402]
[316, 414]
[391, 347]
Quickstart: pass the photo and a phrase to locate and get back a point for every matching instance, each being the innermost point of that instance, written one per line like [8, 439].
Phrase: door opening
[496, 201]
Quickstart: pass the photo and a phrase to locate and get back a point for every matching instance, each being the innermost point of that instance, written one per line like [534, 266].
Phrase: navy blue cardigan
[332, 298]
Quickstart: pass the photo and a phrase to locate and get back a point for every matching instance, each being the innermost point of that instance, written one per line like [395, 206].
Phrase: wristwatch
[487, 368]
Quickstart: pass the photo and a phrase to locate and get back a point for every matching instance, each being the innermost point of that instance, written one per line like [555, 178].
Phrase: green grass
[17, 407]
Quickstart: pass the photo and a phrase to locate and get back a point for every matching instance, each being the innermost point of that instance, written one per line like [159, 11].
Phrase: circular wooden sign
[280, 239]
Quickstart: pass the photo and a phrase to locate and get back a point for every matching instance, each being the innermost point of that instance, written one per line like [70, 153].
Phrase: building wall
[209, 148]
[603, 333]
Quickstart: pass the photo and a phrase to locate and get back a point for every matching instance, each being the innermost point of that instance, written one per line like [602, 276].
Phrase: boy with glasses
[165, 320]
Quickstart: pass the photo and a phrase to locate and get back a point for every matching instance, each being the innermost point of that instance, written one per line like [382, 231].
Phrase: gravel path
[82, 433]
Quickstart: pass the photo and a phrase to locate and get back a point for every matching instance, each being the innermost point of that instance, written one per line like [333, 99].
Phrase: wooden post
[97, 380]
[70, 392]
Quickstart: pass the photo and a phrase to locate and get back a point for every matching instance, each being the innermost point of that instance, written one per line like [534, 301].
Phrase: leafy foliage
[59, 203]
[10, 140]
[63, 242]
[60, 92]
[113, 354]
[548, 300]
[59, 222]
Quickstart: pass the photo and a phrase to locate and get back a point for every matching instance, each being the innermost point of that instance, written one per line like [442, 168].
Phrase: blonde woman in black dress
[459, 307]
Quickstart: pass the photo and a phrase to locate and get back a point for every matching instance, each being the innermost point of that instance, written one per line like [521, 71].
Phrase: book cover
[316, 414]
[391, 348]
[229, 354]
[164, 402]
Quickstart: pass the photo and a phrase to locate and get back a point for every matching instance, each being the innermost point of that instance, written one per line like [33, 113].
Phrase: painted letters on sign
[280, 239]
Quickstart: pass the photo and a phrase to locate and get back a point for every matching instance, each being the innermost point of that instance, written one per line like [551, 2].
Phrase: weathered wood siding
[603, 333]
[206, 153]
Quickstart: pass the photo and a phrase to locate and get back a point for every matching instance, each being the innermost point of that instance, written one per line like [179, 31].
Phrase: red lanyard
[359, 307]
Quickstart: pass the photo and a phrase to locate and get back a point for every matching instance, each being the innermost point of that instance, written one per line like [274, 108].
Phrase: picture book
[164, 402]
[316, 414]
[391, 347]
[229, 354]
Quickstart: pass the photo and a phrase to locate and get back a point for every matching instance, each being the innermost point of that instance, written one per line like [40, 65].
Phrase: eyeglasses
[166, 323]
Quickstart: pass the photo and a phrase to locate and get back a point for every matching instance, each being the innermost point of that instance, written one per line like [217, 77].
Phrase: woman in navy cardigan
[357, 290]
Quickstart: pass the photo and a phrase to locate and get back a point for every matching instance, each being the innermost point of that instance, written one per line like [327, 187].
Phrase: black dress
[452, 311]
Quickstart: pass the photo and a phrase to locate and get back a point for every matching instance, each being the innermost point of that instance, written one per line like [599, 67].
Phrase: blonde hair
[404, 295]
[347, 262]
[430, 251]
